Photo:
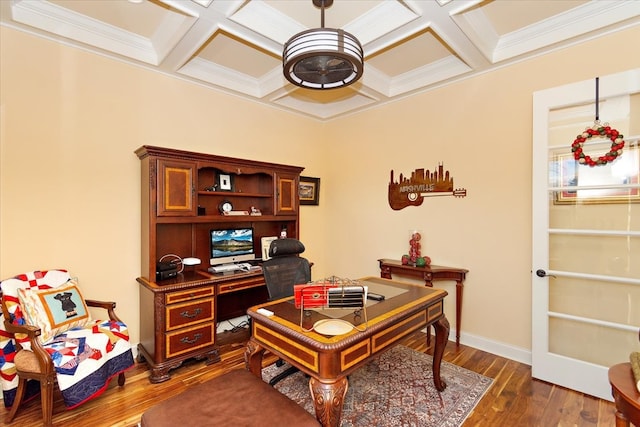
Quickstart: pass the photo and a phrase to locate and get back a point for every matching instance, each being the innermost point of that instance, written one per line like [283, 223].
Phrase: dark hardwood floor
[515, 399]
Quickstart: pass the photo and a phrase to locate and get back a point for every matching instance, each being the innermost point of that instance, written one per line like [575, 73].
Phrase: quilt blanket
[85, 358]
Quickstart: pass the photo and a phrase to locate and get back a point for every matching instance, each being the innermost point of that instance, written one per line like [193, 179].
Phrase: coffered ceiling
[235, 46]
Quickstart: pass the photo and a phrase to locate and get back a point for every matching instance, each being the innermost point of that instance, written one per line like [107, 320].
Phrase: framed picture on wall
[309, 190]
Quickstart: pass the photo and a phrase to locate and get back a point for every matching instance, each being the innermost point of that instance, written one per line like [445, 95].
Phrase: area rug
[396, 389]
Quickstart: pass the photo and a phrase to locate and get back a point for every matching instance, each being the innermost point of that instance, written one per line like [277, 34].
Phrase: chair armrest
[110, 306]
[33, 332]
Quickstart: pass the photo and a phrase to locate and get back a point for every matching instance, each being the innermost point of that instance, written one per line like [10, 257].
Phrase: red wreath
[617, 144]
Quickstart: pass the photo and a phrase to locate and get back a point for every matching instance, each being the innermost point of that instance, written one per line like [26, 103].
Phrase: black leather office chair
[284, 269]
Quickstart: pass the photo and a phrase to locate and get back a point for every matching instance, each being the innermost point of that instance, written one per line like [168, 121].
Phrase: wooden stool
[625, 394]
[237, 398]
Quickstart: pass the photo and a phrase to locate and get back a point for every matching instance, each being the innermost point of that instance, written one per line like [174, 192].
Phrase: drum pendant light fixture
[323, 58]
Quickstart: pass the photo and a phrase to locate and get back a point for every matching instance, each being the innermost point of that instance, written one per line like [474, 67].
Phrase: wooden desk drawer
[189, 313]
[238, 285]
[397, 330]
[190, 339]
[190, 294]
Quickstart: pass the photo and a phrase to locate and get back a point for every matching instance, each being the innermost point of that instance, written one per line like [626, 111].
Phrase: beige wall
[69, 180]
[481, 130]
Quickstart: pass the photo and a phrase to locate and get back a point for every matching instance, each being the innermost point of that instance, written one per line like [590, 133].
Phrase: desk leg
[253, 357]
[621, 420]
[459, 289]
[442, 336]
[385, 272]
[428, 283]
[328, 399]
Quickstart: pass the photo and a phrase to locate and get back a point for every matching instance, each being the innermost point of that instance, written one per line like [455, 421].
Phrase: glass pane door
[586, 312]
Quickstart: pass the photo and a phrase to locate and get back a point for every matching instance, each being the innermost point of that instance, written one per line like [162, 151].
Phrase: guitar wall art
[412, 191]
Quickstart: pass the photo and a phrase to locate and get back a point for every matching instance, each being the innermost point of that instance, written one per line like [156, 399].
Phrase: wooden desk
[178, 316]
[429, 274]
[625, 394]
[329, 359]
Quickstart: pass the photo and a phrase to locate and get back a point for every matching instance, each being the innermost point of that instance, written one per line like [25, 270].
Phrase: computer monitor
[231, 245]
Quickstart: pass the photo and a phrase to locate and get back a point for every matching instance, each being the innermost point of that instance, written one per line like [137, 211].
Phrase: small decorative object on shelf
[225, 206]
[225, 182]
[235, 213]
[414, 257]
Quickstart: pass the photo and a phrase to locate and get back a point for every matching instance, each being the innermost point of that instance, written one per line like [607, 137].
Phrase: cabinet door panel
[287, 194]
[176, 185]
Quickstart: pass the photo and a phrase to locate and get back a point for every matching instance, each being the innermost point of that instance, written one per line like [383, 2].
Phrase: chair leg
[282, 375]
[22, 386]
[46, 396]
[121, 379]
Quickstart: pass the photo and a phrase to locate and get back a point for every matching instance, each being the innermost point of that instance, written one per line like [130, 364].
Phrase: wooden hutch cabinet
[181, 195]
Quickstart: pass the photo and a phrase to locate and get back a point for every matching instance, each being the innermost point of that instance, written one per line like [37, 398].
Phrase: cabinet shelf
[225, 218]
[233, 194]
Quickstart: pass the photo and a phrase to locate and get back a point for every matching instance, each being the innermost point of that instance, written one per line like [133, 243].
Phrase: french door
[586, 234]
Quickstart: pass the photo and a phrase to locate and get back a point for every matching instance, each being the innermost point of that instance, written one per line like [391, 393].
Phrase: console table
[429, 274]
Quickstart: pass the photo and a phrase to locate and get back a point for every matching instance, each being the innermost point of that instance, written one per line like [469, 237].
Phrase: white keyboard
[245, 266]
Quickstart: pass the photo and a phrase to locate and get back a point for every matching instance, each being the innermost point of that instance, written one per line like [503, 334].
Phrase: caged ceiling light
[323, 58]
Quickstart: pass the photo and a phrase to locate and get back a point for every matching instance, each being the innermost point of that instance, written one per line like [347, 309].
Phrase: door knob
[541, 273]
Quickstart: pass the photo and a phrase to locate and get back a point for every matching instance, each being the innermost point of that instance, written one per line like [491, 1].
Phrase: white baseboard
[508, 351]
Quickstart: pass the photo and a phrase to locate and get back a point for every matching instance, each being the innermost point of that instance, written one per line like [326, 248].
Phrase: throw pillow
[54, 310]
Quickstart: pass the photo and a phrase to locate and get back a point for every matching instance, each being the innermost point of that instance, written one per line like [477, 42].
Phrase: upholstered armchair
[47, 334]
